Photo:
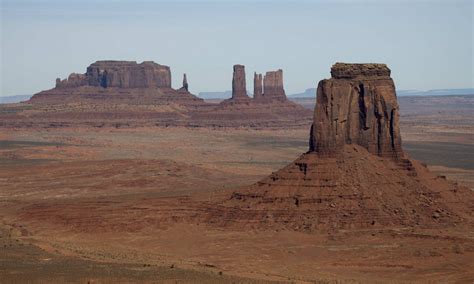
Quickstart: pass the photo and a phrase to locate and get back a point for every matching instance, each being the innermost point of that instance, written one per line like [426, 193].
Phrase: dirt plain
[83, 204]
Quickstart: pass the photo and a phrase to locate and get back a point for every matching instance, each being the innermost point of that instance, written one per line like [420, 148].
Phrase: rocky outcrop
[257, 86]
[358, 105]
[273, 86]
[185, 82]
[74, 80]
[124, 90]
[120, 74]
[263, 108]
[355, 174]
[124, 82]
[265, 89]
[185, 86]
[239, 86]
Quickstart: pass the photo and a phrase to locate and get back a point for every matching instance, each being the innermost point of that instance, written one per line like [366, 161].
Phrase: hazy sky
[427, 44]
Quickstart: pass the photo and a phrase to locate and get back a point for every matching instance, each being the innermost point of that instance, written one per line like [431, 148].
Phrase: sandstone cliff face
[358, 105]
[257, 86]
[120, 74]
[128, 74]
[239, 88]
[273, 85]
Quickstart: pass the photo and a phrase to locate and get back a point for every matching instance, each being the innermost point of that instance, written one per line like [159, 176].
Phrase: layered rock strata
[355, 174]
[127, 93]
[358, 105]
[262, 108]
[116, 82]
[354, 71]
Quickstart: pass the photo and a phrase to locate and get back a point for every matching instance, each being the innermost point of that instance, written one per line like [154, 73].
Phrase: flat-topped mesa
[120, 74]
[257, 86]
[358, 105]
[129, 74]
[357, 70]
[273, 86]
[239, 87]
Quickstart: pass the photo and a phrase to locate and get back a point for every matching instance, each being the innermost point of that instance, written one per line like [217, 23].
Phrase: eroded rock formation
[262, 107]
[120, 74]
[273, 85]
[185, 82]
[124, 92]
[257, 86]
[239, 86]
[123, 82]
[74, 80]
[185, 87]
[356, 174]
[358, 105]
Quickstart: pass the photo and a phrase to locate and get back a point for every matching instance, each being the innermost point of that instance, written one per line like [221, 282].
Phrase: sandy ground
[112, 183]
[55, 172]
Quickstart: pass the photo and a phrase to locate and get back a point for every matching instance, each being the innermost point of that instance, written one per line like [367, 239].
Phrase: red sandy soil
[112, 200]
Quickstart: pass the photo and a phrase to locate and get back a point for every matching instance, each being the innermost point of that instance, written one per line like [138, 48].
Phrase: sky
[426, 44]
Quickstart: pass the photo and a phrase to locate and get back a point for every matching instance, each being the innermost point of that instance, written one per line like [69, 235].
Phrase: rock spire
[239, 88]
[185, 83]
[257, 86]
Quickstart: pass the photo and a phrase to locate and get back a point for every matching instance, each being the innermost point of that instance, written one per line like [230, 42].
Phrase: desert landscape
[230, 141]
[86, 201]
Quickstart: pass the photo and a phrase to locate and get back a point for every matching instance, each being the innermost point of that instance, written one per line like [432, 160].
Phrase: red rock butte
[123, 81]
[120, 74]
[239, 86]
[273, 86]
[358, 105]
[355, 174]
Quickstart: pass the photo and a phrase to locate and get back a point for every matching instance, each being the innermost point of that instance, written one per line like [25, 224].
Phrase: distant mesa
[130, 93]
[216, 95]
[308, 93]
[120, 74]
[14, 99]
[129, 77]
[109, 80]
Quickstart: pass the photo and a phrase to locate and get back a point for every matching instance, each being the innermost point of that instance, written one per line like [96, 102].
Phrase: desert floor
[84, 204]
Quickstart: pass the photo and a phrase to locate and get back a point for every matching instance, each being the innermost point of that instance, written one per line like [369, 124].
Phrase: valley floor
[112, 183]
